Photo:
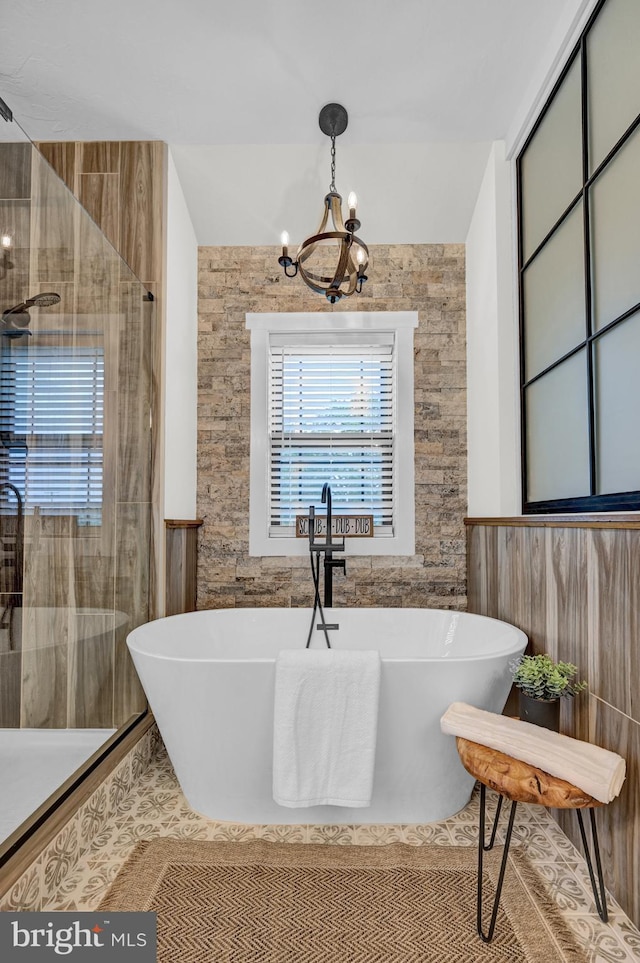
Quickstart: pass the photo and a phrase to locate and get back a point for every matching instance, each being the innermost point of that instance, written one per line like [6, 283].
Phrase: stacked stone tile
[427, 278]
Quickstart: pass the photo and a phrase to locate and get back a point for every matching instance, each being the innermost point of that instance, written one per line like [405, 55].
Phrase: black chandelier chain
[332, 187]
[313, 258]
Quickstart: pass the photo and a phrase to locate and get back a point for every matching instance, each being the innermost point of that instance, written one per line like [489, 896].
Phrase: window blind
[331, 419]
[51, 424]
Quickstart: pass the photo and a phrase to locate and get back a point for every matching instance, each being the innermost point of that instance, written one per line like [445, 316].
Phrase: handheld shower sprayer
[16, 319]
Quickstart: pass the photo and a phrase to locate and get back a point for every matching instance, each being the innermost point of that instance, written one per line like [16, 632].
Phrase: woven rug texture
[260, 902]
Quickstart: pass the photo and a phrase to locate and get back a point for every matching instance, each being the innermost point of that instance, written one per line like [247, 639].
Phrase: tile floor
[157, 807]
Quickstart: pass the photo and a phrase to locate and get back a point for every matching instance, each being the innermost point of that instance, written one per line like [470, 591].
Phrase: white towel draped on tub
[325, 725]
[596, 771]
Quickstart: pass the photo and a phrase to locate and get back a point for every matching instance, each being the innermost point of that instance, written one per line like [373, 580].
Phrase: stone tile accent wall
[427, 278]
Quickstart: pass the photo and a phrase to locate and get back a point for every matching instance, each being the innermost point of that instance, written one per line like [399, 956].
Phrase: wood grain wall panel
[91, 681]
[98, 157]
[97, 277]
[62, 157]
[153, 316]
[46, 636]
[48, 625]
[91, 658]
[619, 822]
[134, 405]
[140, 170]
[565, 613]
[482, 587]
[610, 616]
[94, 572]
[10, 686]
[129, 696]
[182, 563]
[53, 221]
[15, 171]
[99, 194]
[585, 595]
[133, 533]
[141, 205]
[10, 661]
[15, 219]
[514, 584]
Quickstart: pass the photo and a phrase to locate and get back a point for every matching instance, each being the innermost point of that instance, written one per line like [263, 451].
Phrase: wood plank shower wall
[122, 185]
[574, 587]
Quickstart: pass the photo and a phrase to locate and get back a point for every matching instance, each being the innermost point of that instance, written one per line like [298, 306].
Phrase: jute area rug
[260, 902]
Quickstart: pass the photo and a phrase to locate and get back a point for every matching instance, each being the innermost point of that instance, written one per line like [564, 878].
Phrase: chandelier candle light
[352, 252]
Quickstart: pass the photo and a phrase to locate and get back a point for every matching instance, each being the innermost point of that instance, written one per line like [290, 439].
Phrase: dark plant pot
[541, 712]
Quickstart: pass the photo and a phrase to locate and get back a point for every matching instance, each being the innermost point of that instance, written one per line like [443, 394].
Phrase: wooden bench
[519, 782]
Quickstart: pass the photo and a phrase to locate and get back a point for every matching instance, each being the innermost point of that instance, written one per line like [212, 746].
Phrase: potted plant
[542, 683]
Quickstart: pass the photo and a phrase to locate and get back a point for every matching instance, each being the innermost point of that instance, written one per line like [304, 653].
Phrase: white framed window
[332, 401]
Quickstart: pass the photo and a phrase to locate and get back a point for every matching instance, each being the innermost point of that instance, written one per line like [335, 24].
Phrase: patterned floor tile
[157, 807]
[333, 835]
[235, 832]
[436, 834]
[378, 835]
[285, 834]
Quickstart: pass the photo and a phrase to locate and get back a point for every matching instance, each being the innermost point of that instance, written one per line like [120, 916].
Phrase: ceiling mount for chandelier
[351, 255]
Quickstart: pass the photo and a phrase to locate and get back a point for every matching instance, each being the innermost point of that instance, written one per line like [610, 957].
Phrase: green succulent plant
[539, 677]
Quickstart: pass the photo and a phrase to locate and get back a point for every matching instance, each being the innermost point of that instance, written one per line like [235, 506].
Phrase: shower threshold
[36, 762]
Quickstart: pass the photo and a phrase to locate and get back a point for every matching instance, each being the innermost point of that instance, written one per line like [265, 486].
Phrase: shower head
[16, 319]
[44, 300]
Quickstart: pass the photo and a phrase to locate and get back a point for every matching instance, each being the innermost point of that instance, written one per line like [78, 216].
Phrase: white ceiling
[203, 73]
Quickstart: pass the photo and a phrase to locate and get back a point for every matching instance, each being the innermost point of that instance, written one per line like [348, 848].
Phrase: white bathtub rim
[516, 642]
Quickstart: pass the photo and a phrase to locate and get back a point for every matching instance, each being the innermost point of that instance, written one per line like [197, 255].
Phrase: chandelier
[348, 252]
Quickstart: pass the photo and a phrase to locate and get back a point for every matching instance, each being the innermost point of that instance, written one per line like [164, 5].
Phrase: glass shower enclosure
[76, 339]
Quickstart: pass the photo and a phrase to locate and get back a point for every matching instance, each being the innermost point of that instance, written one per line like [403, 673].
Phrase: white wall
[181, 356]
[407, 193]
[561, 42]
[492, 363]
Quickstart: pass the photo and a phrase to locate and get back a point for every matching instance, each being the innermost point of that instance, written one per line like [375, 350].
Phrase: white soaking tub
[209, 677]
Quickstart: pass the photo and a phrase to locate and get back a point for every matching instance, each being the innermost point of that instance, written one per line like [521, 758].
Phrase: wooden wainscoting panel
[521, 591]
[182, 559]
[566, 629]
[581, 603]
[482, 581]
[619, 822]
[612, 619]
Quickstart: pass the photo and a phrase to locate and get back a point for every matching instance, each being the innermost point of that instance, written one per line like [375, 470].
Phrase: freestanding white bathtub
[209, 678]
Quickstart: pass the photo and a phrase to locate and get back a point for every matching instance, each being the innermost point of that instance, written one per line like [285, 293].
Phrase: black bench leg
[482, 848]
[599, 893]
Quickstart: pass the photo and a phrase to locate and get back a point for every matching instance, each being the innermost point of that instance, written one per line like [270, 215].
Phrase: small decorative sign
[342, 526]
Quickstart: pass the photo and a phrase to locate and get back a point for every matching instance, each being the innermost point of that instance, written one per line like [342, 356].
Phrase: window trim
[402, 324]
